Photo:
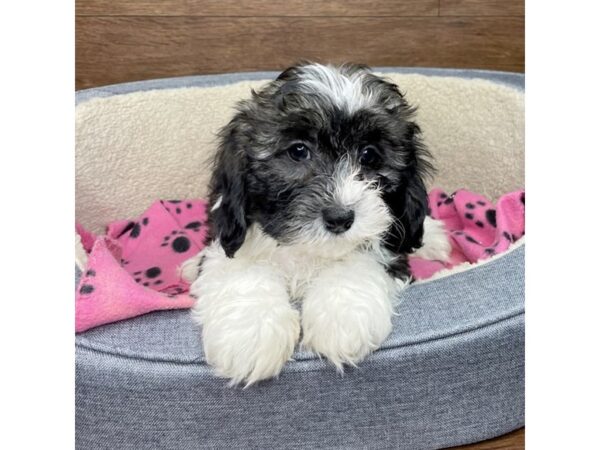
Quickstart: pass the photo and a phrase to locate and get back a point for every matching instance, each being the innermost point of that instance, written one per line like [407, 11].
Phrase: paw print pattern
[471, 239]
[487, 251]
[173, 291]
[175, 205]
[148, 277]
[87, 286]
[490, 215]
[479, 228]
[510, 237]
[178, 241]
[445, 199]
[480, 213]
[194, 226]
[134, 228]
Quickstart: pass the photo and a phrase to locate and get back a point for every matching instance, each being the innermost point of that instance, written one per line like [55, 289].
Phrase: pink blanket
[477, 229]
[134, 268]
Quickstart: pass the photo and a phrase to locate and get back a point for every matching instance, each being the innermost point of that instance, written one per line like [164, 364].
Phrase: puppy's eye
[299, 152]
[368, 155]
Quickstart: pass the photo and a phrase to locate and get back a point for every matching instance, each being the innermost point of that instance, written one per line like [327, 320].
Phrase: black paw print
[174, 204]
[87, 287]
[510, 237]
[134, 228]
[178, 241]
[489, 214]
[194, 226]
[471, 239]
[148, 277]
[445, 199]
[173, 291]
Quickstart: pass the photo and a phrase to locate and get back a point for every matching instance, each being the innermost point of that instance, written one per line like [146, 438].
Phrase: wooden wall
[125, 40]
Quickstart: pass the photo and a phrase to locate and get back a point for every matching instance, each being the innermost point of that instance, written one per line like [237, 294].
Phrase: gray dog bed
[451, 372]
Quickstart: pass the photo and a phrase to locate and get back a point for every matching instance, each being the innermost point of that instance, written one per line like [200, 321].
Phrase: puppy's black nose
[338, 220]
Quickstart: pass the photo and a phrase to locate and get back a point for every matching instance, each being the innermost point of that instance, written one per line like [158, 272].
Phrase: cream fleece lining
[132, 149]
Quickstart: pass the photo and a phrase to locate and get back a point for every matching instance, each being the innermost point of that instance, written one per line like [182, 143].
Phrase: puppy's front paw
[250, 342]
[345, 337]
[347, 312]
[249, 328]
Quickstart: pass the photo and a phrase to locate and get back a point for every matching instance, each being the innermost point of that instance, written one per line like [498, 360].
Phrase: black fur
[256, 180]
[409, 202]
[229, 221]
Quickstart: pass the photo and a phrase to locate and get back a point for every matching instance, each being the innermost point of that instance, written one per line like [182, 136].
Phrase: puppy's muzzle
[338, 220]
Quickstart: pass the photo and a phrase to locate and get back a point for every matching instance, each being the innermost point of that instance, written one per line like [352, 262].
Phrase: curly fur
[317, 197]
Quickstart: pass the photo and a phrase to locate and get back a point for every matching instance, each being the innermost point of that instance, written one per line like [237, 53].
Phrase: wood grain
[482, 8]
[116, 49]
[250, 8]
[510, 441]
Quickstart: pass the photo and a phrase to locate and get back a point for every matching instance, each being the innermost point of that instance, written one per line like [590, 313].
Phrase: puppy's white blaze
[344, 90]
[348, 189]
[372, 217]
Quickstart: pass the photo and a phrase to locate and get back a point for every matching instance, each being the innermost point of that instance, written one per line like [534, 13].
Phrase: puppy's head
[325, 158]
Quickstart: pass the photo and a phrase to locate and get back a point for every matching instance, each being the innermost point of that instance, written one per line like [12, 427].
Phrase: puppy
[316, 199]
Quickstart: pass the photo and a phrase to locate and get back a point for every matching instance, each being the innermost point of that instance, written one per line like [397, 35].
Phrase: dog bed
[451, 372]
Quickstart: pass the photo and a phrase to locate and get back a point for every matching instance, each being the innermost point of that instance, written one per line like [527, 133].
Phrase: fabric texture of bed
[452, 371]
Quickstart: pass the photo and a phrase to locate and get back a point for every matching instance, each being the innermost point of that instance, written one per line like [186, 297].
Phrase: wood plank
[510, 441]
[248, 8]
[482, 8]
[117, 49]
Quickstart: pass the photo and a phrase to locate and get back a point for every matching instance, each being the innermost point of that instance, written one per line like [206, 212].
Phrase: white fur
[436, 245]
[347, 310]
[217, 204]
[189, 270]
[345, 91]
[249, 326]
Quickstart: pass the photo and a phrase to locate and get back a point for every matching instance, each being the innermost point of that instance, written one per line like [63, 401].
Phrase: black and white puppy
[317, 197]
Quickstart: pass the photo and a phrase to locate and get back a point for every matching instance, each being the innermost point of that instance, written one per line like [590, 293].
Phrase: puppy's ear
[409, 202]
[228, 192]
